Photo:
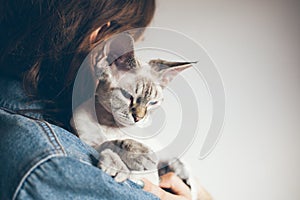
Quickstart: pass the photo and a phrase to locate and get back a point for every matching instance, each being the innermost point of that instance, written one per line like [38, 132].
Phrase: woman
[43, 43]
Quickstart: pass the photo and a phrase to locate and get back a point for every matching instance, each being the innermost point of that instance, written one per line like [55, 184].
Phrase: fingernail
[140, 183]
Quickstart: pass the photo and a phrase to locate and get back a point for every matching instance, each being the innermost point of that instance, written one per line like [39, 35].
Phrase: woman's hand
[171, 182]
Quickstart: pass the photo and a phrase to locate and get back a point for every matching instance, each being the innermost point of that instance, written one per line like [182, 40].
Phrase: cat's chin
[122, 123]
[145, 122]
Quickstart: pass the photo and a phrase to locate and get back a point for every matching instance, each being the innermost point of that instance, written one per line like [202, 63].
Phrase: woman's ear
[95, 33]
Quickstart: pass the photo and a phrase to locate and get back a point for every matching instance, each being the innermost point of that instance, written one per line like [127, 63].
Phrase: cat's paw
[111, 163]
[135, 155]
[176, 166]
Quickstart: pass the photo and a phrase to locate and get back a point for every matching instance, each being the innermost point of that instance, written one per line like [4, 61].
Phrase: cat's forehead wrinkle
[147, 89]
[139, 86]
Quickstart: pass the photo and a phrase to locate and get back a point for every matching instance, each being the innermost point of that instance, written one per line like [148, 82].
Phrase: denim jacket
[42, 161]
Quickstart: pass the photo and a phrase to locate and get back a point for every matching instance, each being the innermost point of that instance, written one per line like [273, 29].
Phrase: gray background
[256, 47]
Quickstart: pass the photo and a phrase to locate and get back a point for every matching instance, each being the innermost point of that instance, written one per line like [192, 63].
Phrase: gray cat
[127, 91]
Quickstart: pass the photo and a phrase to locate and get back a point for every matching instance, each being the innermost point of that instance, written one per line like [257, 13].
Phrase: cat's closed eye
[126, 94]
[153, 103]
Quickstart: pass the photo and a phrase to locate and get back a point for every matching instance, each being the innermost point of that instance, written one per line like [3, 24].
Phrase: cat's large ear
[119, 50]
[168, 70]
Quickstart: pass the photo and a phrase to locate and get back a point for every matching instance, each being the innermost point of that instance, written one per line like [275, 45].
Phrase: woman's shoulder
[41, 160]
[21, 133]
[28, 131]
[27, 143]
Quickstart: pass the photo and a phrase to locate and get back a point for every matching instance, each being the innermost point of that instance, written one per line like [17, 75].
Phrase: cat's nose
[138, 113]
[136, 118]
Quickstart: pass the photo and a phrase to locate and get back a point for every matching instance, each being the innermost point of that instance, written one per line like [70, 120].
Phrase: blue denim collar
[13, 98]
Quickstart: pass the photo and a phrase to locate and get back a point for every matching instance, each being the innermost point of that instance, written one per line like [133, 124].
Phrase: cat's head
[128, 88]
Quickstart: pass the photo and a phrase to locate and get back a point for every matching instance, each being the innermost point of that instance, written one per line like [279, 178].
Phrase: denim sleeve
[66, 178]
[39, 160]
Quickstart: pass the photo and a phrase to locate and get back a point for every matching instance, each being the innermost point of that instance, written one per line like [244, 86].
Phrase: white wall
[256, 47]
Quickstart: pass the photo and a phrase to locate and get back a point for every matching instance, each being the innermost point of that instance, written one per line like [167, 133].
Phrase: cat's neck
[104, 117]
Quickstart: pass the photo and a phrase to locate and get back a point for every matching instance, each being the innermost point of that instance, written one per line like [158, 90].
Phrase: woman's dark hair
[43, 42]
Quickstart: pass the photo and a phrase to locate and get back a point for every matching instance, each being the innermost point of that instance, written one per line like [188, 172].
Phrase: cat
[127, 92]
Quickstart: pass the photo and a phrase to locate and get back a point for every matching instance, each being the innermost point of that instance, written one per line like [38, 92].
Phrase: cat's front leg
[120, 157]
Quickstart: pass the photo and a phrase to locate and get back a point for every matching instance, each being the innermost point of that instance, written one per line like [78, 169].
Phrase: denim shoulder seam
[52, 136]
[31, 170]
[47, 129]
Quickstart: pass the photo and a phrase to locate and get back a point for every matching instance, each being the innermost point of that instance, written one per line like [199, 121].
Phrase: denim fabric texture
[39, 160]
